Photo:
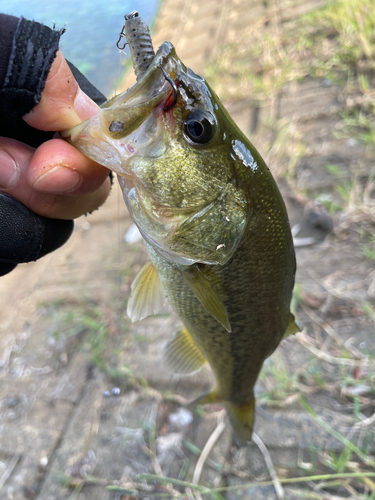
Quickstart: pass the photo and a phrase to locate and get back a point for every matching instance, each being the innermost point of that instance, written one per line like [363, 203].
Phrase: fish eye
[199, 127]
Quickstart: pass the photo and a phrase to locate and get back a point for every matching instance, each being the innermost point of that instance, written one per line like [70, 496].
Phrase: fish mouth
[134, 129]
[128, 124]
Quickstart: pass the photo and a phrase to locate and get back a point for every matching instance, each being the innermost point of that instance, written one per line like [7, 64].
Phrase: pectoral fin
[293, 327]
[206, 294]
[182, 355]
[147, 295]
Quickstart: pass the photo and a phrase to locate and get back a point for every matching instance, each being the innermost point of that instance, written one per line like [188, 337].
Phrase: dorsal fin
[181, 354]
[206, 294]
[293, 327]
[147, 295]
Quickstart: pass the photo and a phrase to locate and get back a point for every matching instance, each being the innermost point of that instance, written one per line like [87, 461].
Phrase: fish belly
[257, 303]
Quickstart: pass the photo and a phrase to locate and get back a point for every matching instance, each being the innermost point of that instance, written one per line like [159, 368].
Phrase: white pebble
[181, 418]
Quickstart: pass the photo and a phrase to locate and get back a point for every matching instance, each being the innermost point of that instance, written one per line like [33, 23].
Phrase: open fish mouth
[162, 137]
[128, 124]
[130, 127]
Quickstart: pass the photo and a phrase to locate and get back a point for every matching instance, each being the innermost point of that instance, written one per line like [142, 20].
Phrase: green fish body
[214, 223]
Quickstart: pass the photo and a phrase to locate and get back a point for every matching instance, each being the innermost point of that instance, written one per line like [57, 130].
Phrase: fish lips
[127, 125]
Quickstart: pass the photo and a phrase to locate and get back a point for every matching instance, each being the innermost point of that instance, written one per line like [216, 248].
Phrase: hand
[55, 180]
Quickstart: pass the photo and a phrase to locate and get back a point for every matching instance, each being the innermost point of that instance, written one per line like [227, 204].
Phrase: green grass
[99, 331]
[358, 123]
[97, 335]
[329, 201]
[140, 485]
[283, 385]
[335, 43]
[339, 462]
[335, 170]
[331, 42]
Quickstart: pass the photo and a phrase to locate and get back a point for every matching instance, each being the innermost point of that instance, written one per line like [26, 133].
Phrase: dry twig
[154, 460]
[323, 324]
[366, 422]
[280, 493]
[208, 447]
[307, 342]
[9, 470]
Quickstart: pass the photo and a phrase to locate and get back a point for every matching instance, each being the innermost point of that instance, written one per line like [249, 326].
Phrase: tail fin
[242, 419]
[241, 416]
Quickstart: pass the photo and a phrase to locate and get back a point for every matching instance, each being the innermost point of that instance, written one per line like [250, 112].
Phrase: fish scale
[252, 339]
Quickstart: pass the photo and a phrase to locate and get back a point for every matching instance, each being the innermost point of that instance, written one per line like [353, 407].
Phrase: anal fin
[147, 295]
[206, 399]
[182, 355]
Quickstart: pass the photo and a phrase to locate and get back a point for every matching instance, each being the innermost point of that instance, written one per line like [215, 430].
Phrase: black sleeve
[27, 50]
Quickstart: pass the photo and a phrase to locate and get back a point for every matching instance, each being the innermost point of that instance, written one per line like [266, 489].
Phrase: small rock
[12, 401]
[356, 390]
[352, 143]
[180, 418]
[317, 217]
[327, 83]
[303, 242]
[169, 441]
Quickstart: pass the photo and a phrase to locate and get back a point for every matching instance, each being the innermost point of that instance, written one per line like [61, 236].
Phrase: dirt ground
[86, 405]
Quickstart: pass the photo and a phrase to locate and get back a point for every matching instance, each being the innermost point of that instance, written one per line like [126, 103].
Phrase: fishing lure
[138, 37]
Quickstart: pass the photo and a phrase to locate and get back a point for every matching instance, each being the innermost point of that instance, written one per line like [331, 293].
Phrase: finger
[45, 203]
[68, 207]
[63, 103]
[57, 167]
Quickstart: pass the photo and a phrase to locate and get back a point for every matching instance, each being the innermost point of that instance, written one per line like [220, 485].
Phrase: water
[92, 30]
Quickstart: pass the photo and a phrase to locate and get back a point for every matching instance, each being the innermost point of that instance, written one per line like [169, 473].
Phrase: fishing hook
[122, 32]
[173, 85]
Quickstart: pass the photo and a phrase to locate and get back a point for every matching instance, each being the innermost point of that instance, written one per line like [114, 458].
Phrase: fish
[214, 223]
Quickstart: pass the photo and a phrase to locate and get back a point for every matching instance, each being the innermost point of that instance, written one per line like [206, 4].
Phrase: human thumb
[63, 103]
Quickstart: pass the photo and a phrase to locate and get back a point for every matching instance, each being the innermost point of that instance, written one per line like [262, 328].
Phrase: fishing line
[120, 77]
[122, 59]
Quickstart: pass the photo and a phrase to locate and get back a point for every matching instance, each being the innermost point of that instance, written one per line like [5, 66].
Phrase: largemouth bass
[214, 222]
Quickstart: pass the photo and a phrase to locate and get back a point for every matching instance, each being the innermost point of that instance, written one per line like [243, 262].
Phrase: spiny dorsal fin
[182, 355]
[147, 295]
[293, 327]
[206, 294]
